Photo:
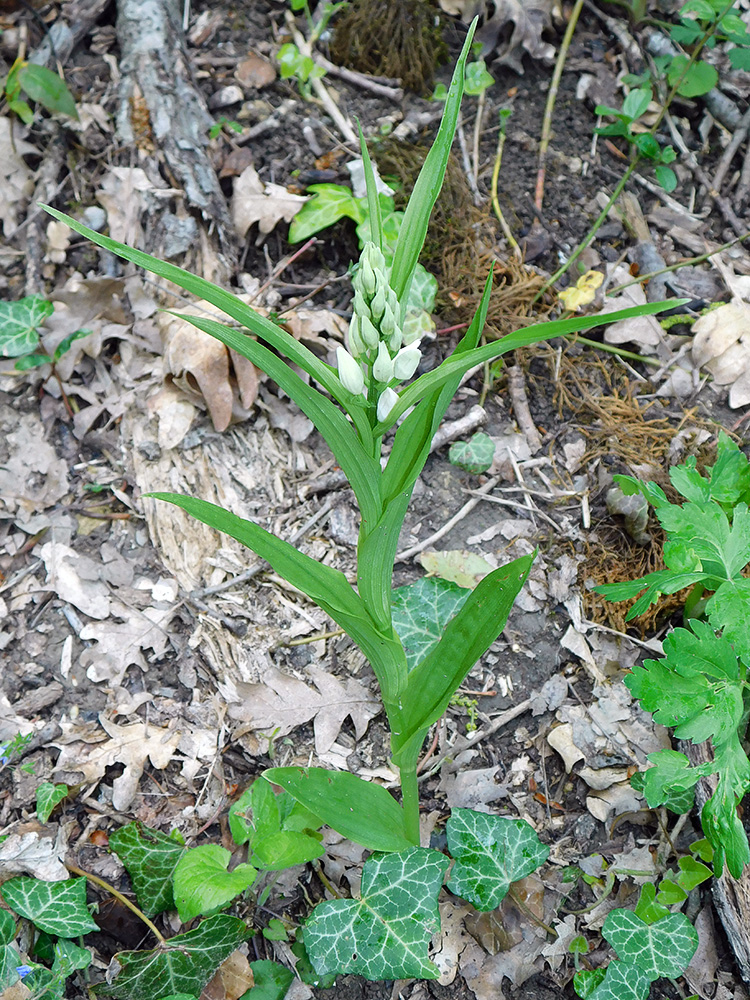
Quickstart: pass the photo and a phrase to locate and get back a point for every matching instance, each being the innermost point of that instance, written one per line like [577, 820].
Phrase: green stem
[591, 233]
[119, 896]
[613, 349]
[410, 801]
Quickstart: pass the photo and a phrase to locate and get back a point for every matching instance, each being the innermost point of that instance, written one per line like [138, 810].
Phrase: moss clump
[393, 38]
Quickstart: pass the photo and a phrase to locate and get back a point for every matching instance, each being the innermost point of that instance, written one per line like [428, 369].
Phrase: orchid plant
[354, 405]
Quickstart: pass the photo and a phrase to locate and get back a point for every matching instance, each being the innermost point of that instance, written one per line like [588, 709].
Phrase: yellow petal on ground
[583, 292]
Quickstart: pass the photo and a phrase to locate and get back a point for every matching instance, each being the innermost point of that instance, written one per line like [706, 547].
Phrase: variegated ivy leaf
[491, 852]
[421, 610]
[384, 934]
[58, 908]
[475, 455]
[150, 858]
[18, 324]
[660, 949]
[619, 981]
[47, 797]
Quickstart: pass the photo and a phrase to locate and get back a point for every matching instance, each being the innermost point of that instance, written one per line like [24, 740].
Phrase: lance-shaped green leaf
[660, 949]
[373, 199]
[427, 186]
[491, 852]
[357, 809]
[183, 964]
[150, 857]
[202, 884]
[468, 635]
[18, 324]
[421, 611]
[384, 934]
[55, 907]
[360, 468]
[48, 89]
[269, 332]
[460, 364]
[328, 587]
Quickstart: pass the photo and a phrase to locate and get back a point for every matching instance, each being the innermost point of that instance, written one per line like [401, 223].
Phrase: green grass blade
[361, 469]
[272, 334]
[427, 187]
[373, 199]
[519, 338]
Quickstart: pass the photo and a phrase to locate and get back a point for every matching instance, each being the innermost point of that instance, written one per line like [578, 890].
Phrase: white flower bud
[356, 346]
[367, 277]
[387, 321]
[350, 373]
[393, 301]
[394, 341]
[373, 256]
[387, 401]
[377, 304]
[368, 333]
[359, 306]
[382, 369]
[405, 363]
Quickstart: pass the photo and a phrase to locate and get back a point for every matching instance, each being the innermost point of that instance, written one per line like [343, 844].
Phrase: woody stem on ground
[118, 896]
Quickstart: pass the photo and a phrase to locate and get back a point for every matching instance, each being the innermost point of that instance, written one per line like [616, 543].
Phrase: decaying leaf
[722, 346]
[76, 579]
[131, 745]
[528, 17]
[31, 854]
[461, 567]
[16, 179]
[266, 204]
[120, 644]
[281, 703]
[32, 477]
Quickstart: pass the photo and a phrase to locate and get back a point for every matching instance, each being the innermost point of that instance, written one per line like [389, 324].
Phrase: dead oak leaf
[119, 645]
[267, 204]
[131, 745]
[281, 703]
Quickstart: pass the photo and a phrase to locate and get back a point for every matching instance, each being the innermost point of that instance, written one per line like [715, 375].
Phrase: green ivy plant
[700, 686]
[354, 406]
[644, 144]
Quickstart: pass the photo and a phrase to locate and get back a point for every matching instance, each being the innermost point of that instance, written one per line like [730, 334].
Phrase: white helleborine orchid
[406, 362]
[351, 375]
[387, 401]
[382, 369]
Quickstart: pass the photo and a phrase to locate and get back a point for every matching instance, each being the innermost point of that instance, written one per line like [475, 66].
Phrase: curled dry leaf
[528, 17]
[722, 346]
[16, 179]
[267, 204]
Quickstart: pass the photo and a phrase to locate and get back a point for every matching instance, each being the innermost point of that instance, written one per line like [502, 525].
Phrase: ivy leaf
[150, 858]
[10, 960]
[183, 964]
[384, 934]
[692, 873]
[622, 981]
[55, 907]
[660, 949]
[47, 797]
[586, 980]
[7, 927]
[18, 324]
[202, 884]
[475, 455]
[421, 610]
[272, 981]
[330, 202]
[491, 852]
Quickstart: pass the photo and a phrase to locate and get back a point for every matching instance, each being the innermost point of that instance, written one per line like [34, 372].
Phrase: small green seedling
[475, 455]
[222, 124]
[20, 337]
[38, 84]
[296, 66]
[644, 143]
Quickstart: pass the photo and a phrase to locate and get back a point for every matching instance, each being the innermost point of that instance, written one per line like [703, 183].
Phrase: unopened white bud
[373, 256]
[394, 341]
[359, 306]
[387, 401]
[405, 363]
[382, 369]
[387, 321]
[367, 277]
[393, 301]
[368, 333]
[351, 375]
[356, 345]
[412, 332]
[377, 304]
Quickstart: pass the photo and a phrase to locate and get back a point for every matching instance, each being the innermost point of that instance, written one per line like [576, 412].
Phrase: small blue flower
[23, 970]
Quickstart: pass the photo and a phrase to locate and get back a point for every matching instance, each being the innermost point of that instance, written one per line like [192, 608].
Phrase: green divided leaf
[330, 202]
[272, 981]
[660, 949]
[201, 883]
[358, 809]
[47, 797]
[18, 325]
[491, 852]
[183, 964]
[55, 907]
[670, 776]
[421, 610]
[386, 933]
[150, 858]
[475, 455]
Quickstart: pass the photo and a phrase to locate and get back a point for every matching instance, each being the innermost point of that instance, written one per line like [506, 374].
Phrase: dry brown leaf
[233, 978]
[722, 346]
[267, 204]
[131, 745]
[76, 579]
[528, 17]
[281, 703]
[16, 180]
[31, 854]
[32, 477]
[120, 644]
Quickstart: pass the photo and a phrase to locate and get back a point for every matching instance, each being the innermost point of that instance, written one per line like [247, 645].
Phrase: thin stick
[520, 402]
[451, 523]
[477, 131]
[495, 203]
[739, 136]
[119, 896]
[550, 106]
